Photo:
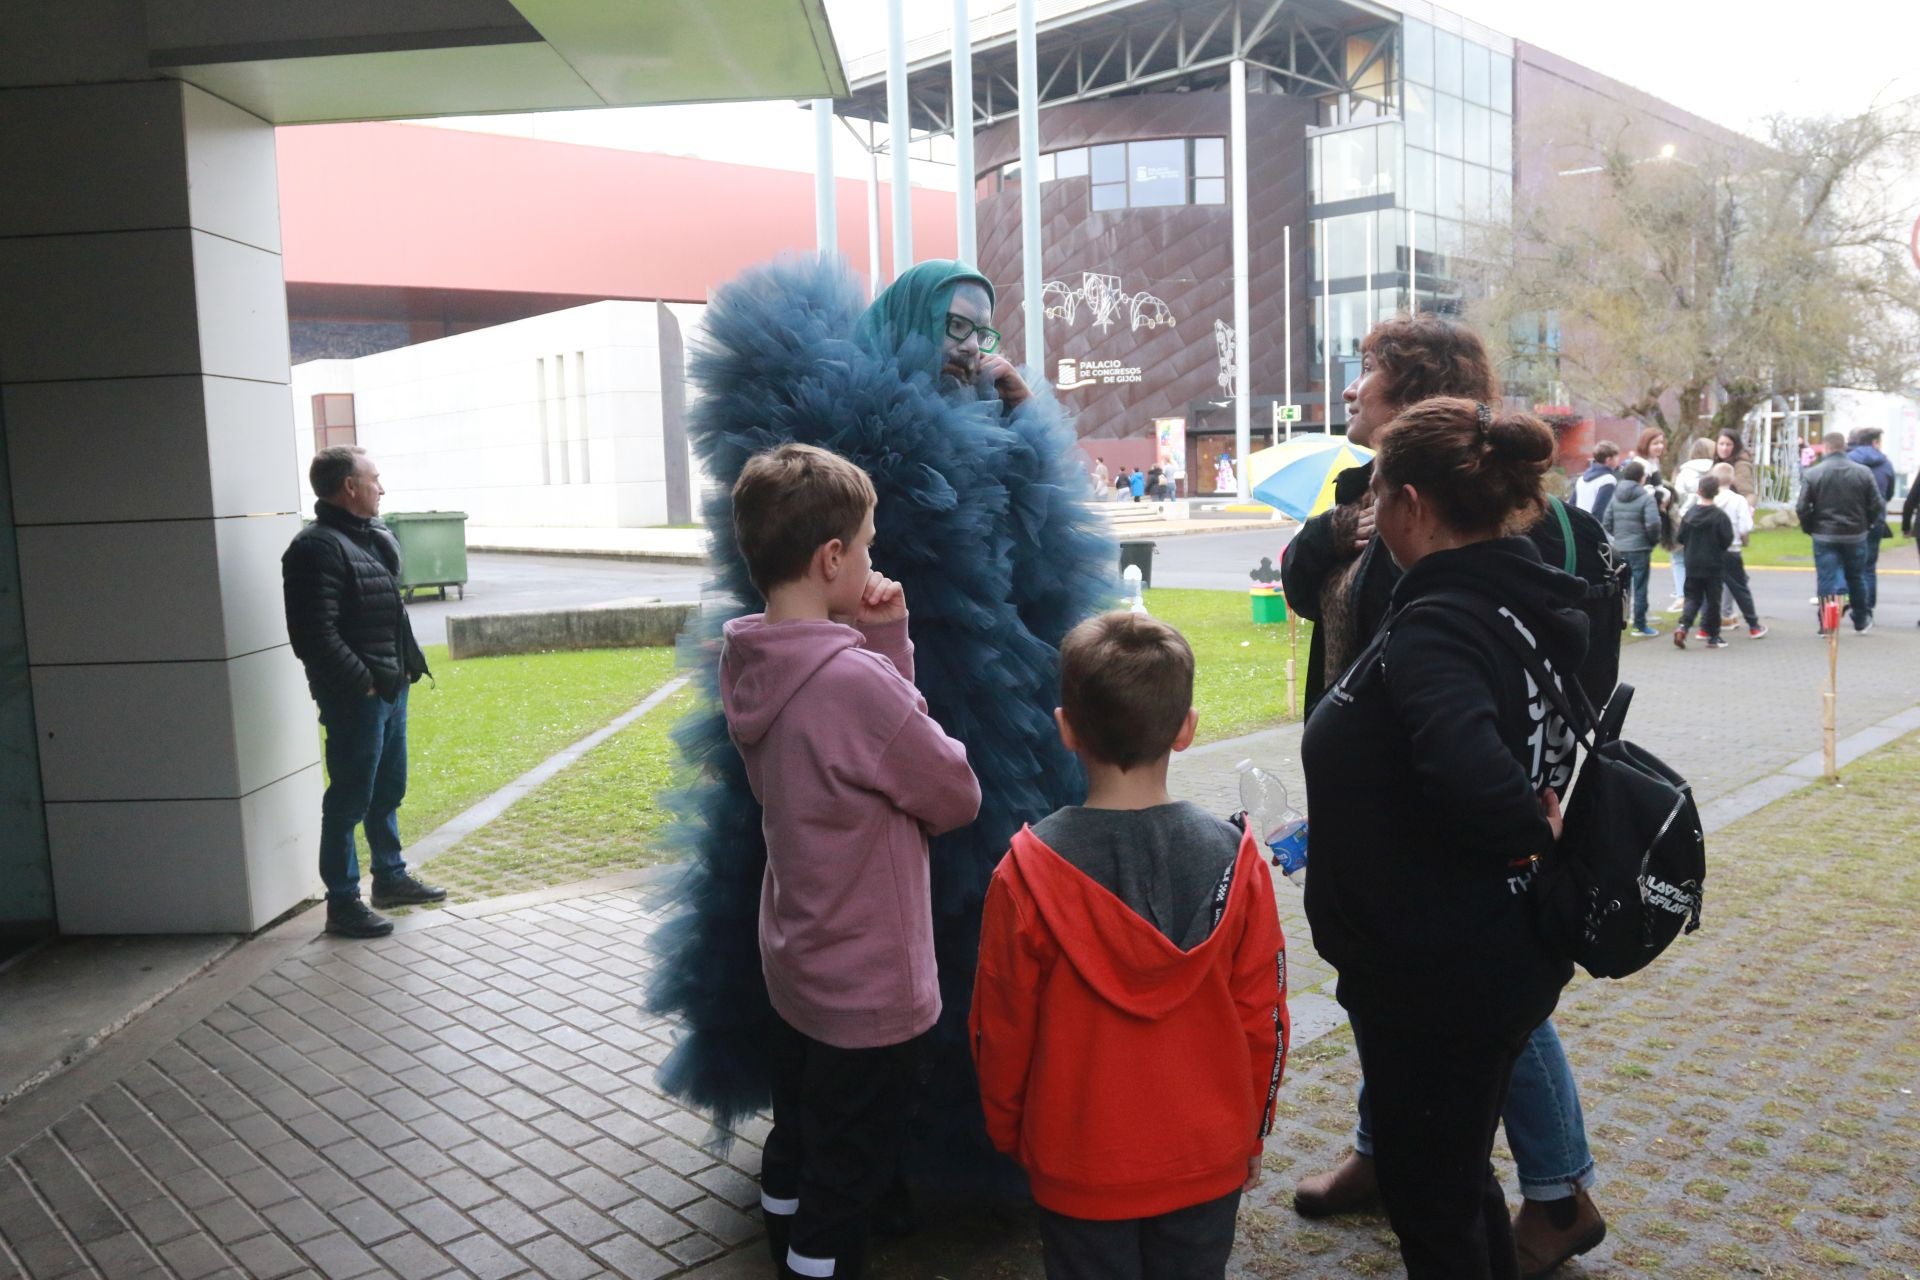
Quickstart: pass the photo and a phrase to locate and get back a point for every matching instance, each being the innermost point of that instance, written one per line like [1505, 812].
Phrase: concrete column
[143, 376]
[1031, 278]
[897, 135]
[826, 220]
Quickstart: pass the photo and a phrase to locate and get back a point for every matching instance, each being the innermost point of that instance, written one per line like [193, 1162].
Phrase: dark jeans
[1741, 588]
[1435, 1093]
[1872, 574]
[1184, 1244]
[1703, 601]
[1641, 563]
[366, 781]
[1841, 569]
[839, 1116]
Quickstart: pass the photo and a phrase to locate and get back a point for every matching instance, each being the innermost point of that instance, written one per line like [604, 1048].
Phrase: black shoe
[404, 891]
[351, 918]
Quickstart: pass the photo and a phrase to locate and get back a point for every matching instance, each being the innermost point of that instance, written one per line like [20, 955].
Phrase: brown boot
[1348, 1188]
[1548, 1232]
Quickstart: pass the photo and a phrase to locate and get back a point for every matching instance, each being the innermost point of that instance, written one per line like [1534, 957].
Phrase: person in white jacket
[1740, 512]
[1686, 491]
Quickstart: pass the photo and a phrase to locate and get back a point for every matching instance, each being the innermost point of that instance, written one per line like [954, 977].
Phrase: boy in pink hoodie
[853, 775]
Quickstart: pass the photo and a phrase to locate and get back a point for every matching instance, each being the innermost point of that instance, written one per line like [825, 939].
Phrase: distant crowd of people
[1703, 516]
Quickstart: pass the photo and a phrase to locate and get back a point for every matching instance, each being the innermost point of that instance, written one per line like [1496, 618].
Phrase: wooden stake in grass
[1830, 620]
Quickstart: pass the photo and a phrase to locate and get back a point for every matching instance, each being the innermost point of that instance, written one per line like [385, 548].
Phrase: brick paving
[476, 1096]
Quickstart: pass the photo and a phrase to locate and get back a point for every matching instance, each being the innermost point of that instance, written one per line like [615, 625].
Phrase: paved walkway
[475, 1095]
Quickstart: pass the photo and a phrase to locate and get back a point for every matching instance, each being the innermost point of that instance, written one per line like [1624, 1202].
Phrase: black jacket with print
[1423, 764]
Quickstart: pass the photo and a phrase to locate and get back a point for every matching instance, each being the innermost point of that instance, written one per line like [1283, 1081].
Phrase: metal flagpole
[873, 216]
[1326, 327]
[1286, 253]
[1242, 325]
[965, 236]
[1030, 282]
[897, 135]
[826, 224]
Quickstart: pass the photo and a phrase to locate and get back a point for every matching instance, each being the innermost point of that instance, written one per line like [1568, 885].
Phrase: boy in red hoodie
[853, 776]
[1130, 1007]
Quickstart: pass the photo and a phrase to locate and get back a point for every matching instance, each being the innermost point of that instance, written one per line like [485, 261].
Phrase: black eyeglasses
[959, 328]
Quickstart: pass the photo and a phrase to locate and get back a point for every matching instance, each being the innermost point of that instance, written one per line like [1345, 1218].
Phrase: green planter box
[1268, 606]
[433, 550]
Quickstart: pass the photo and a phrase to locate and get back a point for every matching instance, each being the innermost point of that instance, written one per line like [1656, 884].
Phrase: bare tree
[1684, 288]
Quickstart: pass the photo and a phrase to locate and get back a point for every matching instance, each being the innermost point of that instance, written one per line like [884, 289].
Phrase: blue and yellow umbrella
[1297, 477]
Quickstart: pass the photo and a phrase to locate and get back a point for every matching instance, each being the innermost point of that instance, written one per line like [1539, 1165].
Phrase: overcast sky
[1732, 61]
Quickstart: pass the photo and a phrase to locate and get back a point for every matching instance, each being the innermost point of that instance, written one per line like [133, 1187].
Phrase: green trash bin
[1140, 553]
[433, 550]
[1269, 606]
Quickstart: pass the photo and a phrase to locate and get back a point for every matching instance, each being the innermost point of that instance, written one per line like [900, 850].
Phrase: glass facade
[1143, 174]
[1396, 200]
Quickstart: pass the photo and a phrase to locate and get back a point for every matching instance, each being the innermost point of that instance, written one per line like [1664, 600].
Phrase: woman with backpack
[1433, 778]
[1338, 573]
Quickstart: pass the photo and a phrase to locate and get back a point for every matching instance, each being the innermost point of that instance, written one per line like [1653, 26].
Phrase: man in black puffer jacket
[348, 625]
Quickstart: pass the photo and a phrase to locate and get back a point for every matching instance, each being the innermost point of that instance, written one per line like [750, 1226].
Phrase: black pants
[838, 1119]
[1703, 601]
[1741, 588]
[1184, 1244]
[1436, 1096]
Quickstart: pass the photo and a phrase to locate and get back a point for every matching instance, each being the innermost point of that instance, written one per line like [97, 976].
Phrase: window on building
[1446, 61]
[1071, 163]
[1209, 170]
[1477, 123]
[1108, 166]
[1502, 143]
[333, 421]
[1417, 48]
[1157, 173]
[1418, 112]
[1501, 99]
[1449, 187]
[1477, 74]
[1449, 127]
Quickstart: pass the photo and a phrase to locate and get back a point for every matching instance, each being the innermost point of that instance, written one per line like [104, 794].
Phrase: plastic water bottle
[1132, 578]
[1273, 820]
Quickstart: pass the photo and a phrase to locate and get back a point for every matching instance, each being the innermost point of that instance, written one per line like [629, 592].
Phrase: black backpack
[1627, 876]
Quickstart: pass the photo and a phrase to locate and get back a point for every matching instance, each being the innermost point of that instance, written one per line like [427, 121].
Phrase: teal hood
[915, 306]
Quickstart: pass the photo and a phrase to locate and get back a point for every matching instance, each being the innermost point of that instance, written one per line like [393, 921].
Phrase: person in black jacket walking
[1706, 534]
[1433, 775]
[1840, 506]
[341, 581]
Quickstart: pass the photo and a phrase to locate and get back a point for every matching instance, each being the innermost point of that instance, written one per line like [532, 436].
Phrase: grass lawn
[484, 721]
[1775, 547]
[1240, 670]
[593, 819]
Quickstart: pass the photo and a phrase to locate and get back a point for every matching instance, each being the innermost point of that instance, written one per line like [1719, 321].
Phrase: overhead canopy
[373, 59]
[1101, 48]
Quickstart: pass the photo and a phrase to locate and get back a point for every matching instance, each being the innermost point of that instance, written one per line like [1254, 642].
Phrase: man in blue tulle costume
[981, 520]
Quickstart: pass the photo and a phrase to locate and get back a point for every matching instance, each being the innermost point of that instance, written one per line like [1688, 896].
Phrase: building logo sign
[1103, 299]
[1092, 373]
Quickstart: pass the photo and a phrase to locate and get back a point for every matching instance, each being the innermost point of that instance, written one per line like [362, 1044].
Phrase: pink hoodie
[853, 775]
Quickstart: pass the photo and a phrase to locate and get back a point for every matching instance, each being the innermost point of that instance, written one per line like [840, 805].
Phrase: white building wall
[1897, 415]
[552, 421]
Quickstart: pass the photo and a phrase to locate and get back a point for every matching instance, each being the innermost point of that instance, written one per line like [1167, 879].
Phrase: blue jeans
[366, 780]
[1641, 563]
[1679, 574]
[1841, 569]
[1545, 1127]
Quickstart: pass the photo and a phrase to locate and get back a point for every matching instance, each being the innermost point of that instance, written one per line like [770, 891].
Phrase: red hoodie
[1129, 1078]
